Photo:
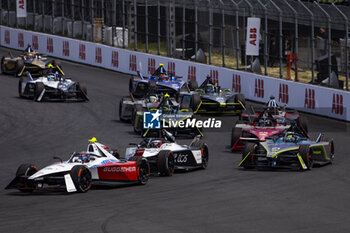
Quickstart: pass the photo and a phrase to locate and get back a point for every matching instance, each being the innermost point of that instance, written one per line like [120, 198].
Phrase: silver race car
[52, 86]
[165, 155]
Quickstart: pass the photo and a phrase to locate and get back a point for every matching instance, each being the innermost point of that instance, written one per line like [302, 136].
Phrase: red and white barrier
[309, 98]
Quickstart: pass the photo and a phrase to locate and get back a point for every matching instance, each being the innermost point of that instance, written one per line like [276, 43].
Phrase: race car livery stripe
[242, 104]
[243, 159]
[144, 135]
[199, 105]
[301, 162]
[281, 151]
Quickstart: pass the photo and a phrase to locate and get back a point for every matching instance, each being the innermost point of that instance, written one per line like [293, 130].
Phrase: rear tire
[235, 135]
[81, 177]
[143, 169]
[3, 69]
[125, 98]
[306, 155]
[195, 101]
[166, 163]
[20, 87]
[303, 124]
[83, 91]
[192, 85]
[331, 150]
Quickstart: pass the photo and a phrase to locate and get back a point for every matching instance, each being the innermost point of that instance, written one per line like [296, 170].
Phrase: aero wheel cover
[84, 179]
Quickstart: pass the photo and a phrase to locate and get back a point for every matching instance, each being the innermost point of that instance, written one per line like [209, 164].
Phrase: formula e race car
[280, 114]
[216, 100]
[52, 86]
[261, 127]
[288, 150]
[178, 118]
[159, 82]
[98, 164]
[165, 155]
[30, 61]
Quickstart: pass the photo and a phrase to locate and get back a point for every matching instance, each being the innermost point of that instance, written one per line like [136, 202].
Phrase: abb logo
[7, 37]
[283, 96]
[214, 74]
[20, 40]
[82, 54]
[65, 50]
[35, 42]
[309, 98]
[252, 36]
[151, 65]
[191, 73]
[49, 45]
[259, 88]
[115, 61]
[171, 68]
[236, 83]
[337, 105]
[21, 4]
[98, 55]
[132, 63]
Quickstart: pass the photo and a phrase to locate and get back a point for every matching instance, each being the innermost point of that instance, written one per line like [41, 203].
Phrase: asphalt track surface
[222, 198]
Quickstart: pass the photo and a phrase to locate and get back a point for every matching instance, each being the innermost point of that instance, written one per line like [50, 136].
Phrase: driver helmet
[289, 137]
[156, 143]
[153, 99]
[84, 158]
[210, 88]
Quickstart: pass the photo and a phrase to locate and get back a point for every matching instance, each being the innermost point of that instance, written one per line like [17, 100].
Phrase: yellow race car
[31, 61]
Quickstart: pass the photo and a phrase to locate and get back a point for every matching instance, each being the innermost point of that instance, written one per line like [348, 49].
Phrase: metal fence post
[296, 45]
[346, 24]
[43, 16]
[265, 36]
[52, 15]
[8, 12]
[280, 36]
[223, 44]
[34, 15]
[196, 30]
[250, 14]
[92, 20]
[114, 13]
[183, 29]
[72, 16]
[158, 27]
[135, 25]
[62, 21]
[146, 24]
[237, 34]
[210, 32]
[329, 42]
[82, 18]
[123, 22]
[312, 41]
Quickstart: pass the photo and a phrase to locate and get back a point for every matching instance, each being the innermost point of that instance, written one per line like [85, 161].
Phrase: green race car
[288, 150]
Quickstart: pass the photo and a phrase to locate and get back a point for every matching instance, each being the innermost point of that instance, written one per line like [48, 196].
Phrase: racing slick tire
[165, 163]
[143, 169]
[26, 170]
[240, 98]
[195, 101]
[82, 91]
[81, 177]
[39, 87]
[306, 155]
[125, 98]
[235, 135]
[331, 150]
[131, 84]
[3, 68]
[303, 124]
[192, 85]
[20, 94]
[205, 152]
[19, 67]
[250, 161]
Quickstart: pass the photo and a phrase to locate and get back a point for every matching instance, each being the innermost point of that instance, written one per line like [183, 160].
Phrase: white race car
[165, 155]
[99, 163]
[52, 86]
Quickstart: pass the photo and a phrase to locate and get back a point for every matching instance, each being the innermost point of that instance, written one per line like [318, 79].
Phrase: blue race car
[159, 82]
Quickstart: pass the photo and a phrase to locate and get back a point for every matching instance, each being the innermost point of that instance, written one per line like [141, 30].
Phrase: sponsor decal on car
[119, 169]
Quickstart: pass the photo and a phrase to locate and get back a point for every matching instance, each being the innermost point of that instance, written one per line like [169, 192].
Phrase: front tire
[81, 177]
[250, 160]
[20, 94]
[39, 87]
[26, 170]
[166, 163]
[143, 169]
[306, 155]
[235, 136]
[19, 67]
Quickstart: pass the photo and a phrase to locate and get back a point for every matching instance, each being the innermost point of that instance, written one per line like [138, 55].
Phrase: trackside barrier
[309, 98]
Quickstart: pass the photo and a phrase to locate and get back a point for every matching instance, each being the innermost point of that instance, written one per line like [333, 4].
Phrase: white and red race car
[98, 163]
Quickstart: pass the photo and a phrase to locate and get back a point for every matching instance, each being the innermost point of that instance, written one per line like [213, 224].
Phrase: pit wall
[304, 97]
